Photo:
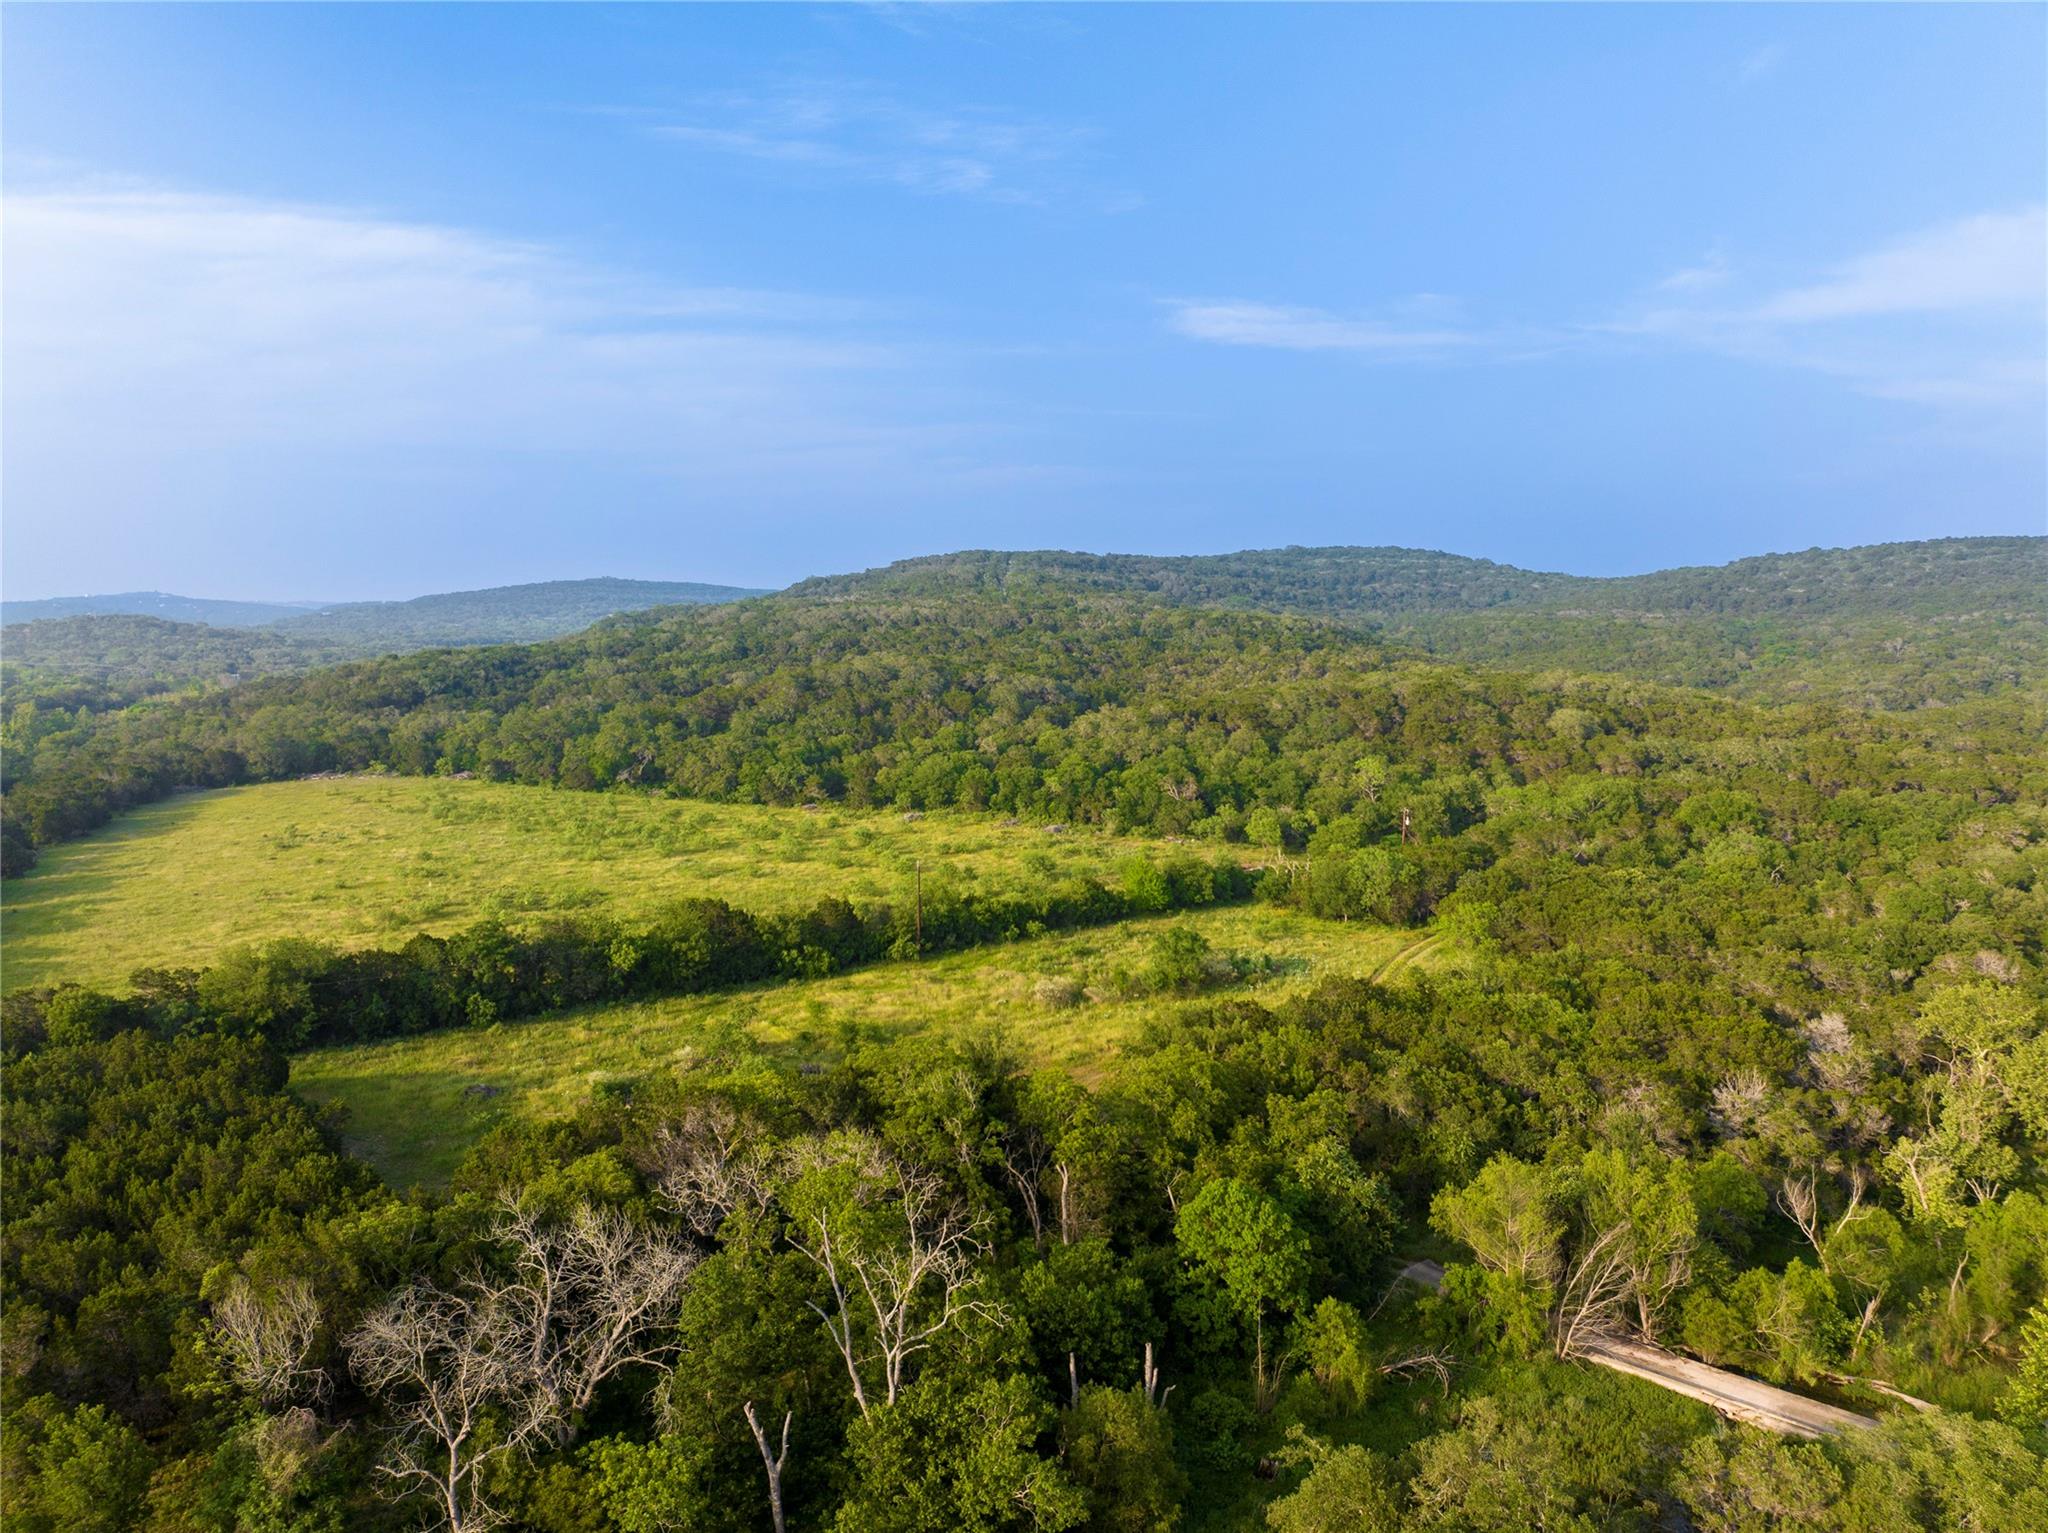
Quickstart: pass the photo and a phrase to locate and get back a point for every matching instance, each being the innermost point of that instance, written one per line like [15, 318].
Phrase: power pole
[918, 866]
[1404, 827]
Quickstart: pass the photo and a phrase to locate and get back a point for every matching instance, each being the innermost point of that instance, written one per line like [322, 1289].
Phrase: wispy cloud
[165, 323]
[1995, 262]
[1243, 322]
[858, 133]
[1710, 271]
[1956, 314]
[1760, 62]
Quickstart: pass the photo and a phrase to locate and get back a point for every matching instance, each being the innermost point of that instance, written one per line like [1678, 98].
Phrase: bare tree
[1069, 1222]
[452, 1362]
[1025, 1159]
[1595, 1289]
[898, 1251]
[707, 1166]
[590, 1294]
[267, 1338]
[1799, 1198]
[1148, 1380]
[774, 1463]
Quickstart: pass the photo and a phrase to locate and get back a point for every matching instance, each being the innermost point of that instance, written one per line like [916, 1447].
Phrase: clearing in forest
[415, 1105]
[369, 861]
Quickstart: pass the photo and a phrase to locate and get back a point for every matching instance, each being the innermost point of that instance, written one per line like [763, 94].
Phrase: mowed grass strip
[369, 861]
[415, 1105]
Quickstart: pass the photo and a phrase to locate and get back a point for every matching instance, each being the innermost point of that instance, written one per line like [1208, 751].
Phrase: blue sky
[368, 301]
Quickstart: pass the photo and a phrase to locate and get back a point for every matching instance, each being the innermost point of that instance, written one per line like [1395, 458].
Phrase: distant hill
[157, 604]
[498, 615]
[1891, 625]
[1946, 575]
[108, 659]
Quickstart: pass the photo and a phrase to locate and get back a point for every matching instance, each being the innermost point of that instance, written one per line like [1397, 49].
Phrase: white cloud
[1242, 322]
[1953, 315]
[1992, 261]
[167, 322]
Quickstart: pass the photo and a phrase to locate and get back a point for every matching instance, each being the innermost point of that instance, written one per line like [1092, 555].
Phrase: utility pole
[1404, 826]
[918, 866]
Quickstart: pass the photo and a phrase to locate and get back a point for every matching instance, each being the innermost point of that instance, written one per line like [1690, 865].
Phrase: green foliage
[1119, 1450]
[1910, 1473]
[2025, 1403]
[1742, 1048]
[1346, 1490]
[76, 1471]
[955, 1456]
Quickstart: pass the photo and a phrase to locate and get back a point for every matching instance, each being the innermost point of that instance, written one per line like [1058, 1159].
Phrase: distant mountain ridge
[498, 614]
[492, 615]
[121, 656]
[158, 604]
[1943, 575]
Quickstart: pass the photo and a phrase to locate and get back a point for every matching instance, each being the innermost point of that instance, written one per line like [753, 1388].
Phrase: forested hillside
[500, 615]
[107, 659]
[1947, 575]
[1738, 1049]
[1895, 625]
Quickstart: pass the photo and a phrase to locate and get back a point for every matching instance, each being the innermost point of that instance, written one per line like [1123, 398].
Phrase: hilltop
[1944, 575]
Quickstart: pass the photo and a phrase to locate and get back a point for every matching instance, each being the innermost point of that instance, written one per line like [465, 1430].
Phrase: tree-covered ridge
[1900, 625]
[498, 615]
[95, 659]
[166, 605]
[1892, 661]
[2002, 574]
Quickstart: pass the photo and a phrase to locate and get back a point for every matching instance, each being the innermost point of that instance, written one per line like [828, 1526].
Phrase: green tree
[1241, 1239]
[1346, 1490]
[954, 1456]
[1118, 1447]
[80, 1471]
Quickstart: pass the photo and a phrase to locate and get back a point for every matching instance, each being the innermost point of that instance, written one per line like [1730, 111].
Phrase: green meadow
[369, 861]
[413, 1106]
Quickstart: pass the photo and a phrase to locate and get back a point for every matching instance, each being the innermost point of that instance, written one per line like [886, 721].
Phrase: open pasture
[415, 1105]
[369, 861]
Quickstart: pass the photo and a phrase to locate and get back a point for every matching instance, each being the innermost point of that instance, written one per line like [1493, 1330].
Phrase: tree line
[295, 993]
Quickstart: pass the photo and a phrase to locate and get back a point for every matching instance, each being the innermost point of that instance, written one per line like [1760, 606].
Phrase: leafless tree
[1436, 1362]
[1799, 1198]
[1025, 1159]
[590, 1294]
[899, 1252]
[709, 1166]
[267, 1338]
[449, 1362]
[773, 1462]
[1148, 1380]
[1069, 1222]
[1595, 1289]
[587, 1295]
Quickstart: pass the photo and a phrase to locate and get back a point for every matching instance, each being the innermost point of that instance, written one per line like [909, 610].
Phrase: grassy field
[368, 861]
[415, 1105]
